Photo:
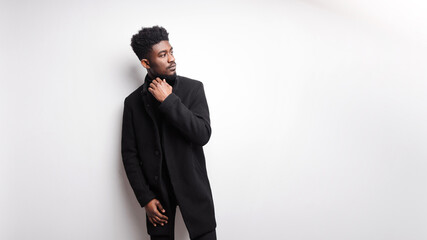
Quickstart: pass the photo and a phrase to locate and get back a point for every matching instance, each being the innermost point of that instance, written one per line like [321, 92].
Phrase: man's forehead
[161, 46]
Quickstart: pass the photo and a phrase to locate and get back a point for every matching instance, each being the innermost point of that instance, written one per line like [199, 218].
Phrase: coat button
[140, 163]
[147, 105]
[156, 178]
[157, 152]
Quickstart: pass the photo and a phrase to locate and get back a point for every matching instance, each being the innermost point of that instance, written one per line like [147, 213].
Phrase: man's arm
[193, 121]
[131, 160]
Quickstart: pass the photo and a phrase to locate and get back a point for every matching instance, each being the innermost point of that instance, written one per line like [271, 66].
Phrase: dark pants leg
[168, 200]
[207, 236]
[161, 238]
[165, 232]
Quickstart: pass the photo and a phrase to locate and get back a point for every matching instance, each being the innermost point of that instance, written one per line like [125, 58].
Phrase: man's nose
[171, 58]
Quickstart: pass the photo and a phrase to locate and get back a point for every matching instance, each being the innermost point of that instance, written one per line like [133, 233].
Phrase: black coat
[185, 131]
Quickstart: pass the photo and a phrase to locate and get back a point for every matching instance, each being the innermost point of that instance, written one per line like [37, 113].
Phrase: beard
[169, 78]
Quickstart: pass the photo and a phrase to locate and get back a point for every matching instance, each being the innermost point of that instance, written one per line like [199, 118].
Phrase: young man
[165, 126]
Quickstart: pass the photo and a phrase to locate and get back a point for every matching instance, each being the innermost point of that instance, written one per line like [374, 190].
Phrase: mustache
[172, 65]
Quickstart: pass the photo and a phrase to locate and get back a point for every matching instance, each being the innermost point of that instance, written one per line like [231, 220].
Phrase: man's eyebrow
[163, 51]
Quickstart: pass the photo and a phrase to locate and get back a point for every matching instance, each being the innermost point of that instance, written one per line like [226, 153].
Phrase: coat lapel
[147, 105]
[149, 109]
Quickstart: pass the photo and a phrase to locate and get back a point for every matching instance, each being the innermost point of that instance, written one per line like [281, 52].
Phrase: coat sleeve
[193, 121]
[131, 160]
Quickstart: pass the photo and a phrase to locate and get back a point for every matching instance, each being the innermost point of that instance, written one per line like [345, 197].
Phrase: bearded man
[165, 126]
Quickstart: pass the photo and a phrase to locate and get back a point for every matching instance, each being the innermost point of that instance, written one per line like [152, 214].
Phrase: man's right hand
[154, 212]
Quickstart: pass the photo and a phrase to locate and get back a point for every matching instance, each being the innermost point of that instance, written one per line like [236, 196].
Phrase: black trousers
[168, 200]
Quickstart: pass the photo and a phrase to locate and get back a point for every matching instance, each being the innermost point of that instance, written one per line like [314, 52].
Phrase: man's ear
[145, 63]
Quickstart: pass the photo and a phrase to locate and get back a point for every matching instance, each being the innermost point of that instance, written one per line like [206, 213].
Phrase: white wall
[318, 111]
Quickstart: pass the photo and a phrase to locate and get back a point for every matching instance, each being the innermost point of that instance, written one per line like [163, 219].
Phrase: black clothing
[162, 150]
[169, 79]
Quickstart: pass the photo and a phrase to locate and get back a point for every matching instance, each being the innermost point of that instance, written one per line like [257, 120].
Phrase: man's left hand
[160, 89]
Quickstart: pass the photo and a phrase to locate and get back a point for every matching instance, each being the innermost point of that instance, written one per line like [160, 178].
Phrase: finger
[160, 207]
[159, 221]
[159, 81]
[152, 222]
[159, 215]
[154, 82]
[152, 86]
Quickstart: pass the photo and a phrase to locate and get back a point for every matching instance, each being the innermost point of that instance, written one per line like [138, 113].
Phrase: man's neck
[170, 79]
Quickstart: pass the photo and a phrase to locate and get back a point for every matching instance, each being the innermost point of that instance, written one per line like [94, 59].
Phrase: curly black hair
[147, 37]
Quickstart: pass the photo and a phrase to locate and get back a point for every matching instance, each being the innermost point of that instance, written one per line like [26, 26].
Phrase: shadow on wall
[136, 75]
[134, 210]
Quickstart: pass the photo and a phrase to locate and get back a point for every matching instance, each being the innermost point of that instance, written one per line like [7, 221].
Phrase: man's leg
[167, 231]
[207, 236]
[169, 203]
[161, 238]
[201, 225]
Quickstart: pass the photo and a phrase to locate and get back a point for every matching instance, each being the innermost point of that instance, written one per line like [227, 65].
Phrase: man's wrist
[164, 99]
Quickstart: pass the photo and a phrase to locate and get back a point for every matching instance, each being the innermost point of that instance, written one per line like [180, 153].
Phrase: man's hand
[153, 210]
[160, 89]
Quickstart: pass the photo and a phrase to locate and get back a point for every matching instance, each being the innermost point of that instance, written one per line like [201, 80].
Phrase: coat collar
[147, 81]
[145, 94]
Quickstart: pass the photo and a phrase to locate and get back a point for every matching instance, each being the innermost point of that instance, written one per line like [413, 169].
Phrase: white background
[318, 113]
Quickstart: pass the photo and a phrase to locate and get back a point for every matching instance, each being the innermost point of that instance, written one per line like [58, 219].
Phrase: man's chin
[171, 77]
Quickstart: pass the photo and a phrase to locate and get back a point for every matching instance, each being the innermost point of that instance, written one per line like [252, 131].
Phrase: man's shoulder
[184, 82]
[135, 95]
[189, 83]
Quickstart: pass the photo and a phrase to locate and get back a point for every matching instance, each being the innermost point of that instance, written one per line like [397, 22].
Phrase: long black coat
[186, 130]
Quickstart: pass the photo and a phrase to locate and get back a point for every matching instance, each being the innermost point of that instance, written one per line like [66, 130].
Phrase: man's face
[161, 61]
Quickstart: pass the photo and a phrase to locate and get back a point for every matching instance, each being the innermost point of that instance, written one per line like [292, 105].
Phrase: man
[165, 126]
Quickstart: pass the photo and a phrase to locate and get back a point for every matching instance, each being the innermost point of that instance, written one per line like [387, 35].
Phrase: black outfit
[162, 150]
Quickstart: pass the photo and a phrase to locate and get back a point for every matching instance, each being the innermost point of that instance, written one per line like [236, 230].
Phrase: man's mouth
[172, 67]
